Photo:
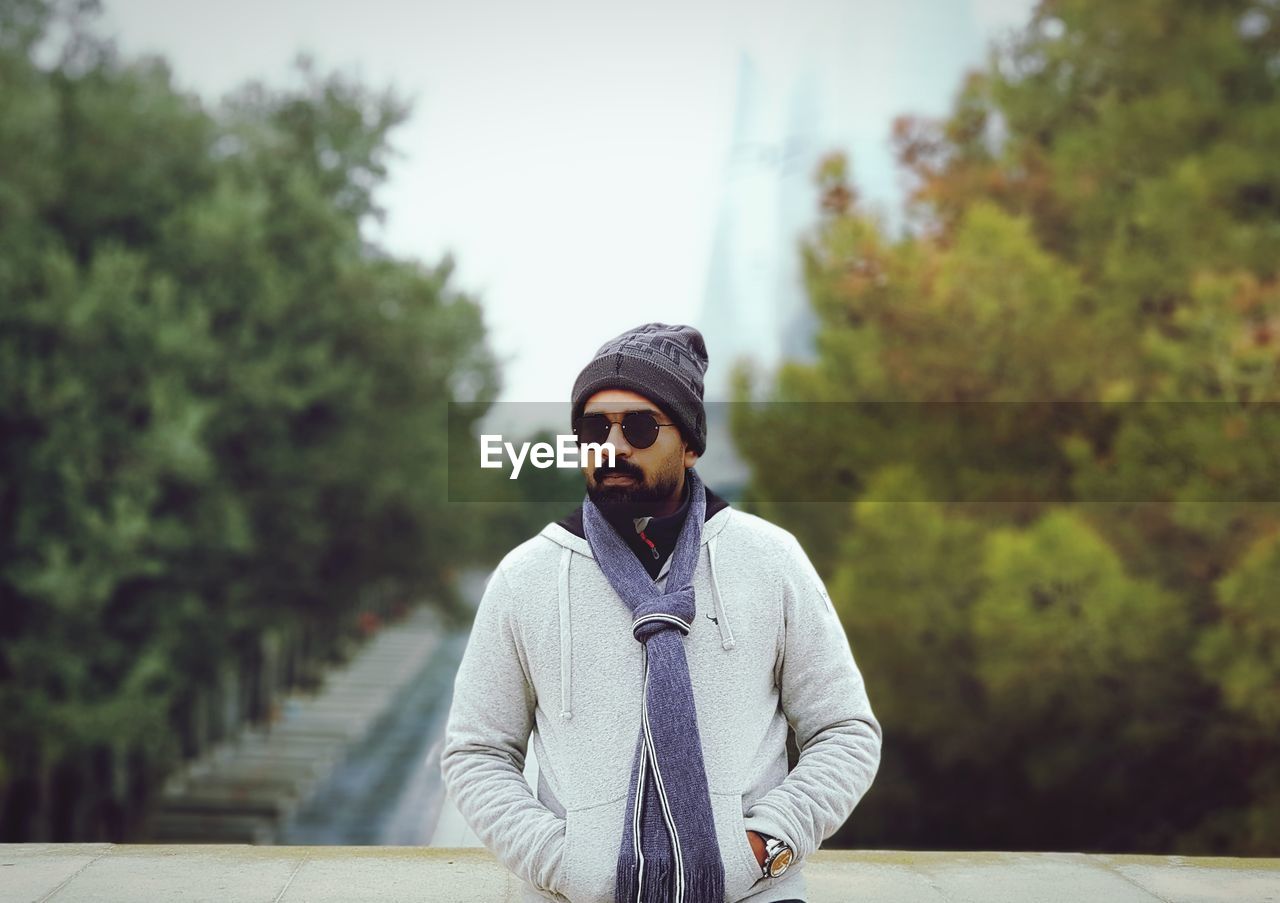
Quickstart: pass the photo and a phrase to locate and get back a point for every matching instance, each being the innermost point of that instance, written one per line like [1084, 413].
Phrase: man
[657, 642]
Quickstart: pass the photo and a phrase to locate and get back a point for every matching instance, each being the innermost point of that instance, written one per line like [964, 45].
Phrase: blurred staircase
[247, 789]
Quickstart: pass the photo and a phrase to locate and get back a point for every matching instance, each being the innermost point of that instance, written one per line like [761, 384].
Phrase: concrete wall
[105, 873]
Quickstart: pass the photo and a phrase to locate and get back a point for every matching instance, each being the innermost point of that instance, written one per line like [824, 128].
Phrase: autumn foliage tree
[1064, 597]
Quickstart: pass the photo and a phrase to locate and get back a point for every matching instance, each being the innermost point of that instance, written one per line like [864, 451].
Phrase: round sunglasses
[639, 428]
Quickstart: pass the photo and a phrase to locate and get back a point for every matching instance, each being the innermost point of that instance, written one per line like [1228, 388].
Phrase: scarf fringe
[624, 886]
[705, 885]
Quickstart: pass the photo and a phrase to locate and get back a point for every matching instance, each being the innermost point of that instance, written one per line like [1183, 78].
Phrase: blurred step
[244, 789]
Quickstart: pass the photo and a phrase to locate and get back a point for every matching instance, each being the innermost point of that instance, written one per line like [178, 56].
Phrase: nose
[621, 446]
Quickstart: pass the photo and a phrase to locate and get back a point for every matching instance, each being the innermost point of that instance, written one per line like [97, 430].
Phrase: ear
[690, 457]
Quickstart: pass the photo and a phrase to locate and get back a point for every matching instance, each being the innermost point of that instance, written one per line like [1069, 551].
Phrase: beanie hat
[661, 362]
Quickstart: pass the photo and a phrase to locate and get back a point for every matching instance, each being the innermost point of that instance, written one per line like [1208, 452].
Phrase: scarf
[669, 852]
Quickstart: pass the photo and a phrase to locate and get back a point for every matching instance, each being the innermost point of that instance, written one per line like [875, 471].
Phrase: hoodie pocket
[592, 840]
[741, 870]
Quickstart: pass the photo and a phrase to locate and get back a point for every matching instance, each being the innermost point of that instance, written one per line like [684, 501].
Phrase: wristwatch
[777, 856]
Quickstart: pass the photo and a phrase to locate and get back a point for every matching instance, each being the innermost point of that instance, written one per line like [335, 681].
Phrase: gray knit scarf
[669, 852]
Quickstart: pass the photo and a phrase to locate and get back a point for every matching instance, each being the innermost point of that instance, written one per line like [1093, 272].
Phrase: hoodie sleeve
[823, 697]
[485, 741]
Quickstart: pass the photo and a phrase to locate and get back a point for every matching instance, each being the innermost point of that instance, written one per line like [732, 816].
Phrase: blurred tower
[755, 304]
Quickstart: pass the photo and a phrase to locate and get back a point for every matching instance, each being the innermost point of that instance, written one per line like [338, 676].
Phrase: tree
[224, 411]
[1069, 359]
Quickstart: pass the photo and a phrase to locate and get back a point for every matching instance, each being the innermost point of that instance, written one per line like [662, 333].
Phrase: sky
[570, 155]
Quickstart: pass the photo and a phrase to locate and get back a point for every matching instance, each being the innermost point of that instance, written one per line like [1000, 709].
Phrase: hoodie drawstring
[566, 639]
[722, 617]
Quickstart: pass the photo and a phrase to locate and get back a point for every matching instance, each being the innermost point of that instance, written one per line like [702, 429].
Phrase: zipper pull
[653, 550]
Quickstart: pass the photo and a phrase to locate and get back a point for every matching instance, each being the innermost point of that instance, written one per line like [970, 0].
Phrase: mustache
[620, 467]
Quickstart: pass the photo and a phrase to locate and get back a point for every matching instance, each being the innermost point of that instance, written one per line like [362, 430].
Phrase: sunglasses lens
[640, 428]
[592, 429]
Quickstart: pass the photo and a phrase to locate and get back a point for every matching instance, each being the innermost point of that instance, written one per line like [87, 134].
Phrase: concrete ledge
[105, 873]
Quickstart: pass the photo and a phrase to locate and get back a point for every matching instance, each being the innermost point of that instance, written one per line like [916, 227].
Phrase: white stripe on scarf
[662, 791]
[684, 625]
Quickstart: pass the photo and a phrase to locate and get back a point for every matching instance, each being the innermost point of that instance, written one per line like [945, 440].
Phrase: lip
[618, 476]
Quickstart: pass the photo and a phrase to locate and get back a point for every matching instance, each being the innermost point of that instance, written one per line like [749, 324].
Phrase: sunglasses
[639, 428]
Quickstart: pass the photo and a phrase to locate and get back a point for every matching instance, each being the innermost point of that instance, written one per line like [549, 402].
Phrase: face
[643, 481]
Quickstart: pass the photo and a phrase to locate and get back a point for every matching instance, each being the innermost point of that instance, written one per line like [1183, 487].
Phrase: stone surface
[233, 873]
[1202, 880]
[32, 871]
[381, 874]
[193, 874]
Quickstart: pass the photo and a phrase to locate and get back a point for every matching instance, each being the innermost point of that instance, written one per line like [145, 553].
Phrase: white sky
[569, 154]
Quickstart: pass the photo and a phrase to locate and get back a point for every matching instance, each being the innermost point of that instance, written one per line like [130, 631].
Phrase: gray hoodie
[551, 652]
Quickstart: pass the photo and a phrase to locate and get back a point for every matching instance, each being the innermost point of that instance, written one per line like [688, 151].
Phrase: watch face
[779, 863]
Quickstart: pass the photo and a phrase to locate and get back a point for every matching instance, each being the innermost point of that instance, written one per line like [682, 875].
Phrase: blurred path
[250, 788]
[357, 764]
[384, 791]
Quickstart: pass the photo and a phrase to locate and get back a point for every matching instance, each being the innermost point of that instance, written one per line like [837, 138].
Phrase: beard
[637, 499]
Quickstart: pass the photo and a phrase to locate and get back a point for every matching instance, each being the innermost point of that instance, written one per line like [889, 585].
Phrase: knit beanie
[664, 364]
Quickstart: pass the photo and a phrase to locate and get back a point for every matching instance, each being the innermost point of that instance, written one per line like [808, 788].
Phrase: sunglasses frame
[621, 420]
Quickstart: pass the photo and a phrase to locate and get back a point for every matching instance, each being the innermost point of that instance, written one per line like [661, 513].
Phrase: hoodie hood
[569, 535]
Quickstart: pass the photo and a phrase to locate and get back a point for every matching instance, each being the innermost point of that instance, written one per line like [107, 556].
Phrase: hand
[757, 846]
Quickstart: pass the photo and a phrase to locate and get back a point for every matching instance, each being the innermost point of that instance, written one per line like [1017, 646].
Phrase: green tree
[1240, 654]
[224, 410]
